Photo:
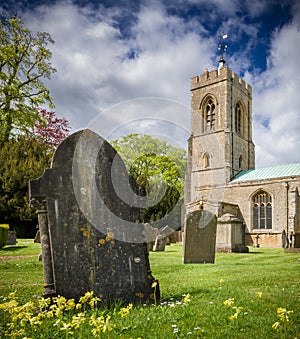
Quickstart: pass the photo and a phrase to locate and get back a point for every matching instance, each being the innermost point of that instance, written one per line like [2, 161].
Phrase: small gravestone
[284, 239]
[199, 237]
[37, 238]
[150, 234]
[159, 245]
[166, 232]
[91, 239]
[11, 238]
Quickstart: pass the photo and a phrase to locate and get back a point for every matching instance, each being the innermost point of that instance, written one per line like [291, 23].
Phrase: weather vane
[223, 48]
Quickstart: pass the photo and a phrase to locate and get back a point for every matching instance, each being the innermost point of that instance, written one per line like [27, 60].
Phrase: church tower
[220, 144]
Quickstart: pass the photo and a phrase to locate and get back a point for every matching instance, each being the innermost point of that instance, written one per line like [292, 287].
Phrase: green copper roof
[268, 173]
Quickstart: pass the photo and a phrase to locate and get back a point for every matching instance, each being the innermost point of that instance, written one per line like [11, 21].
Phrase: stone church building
[254, 207]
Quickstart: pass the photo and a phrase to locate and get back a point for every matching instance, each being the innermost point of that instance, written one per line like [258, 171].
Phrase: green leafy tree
[21, 159]
[158, 166]
[24, 64]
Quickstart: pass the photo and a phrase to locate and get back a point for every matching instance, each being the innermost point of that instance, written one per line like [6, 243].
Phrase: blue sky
[125, 66]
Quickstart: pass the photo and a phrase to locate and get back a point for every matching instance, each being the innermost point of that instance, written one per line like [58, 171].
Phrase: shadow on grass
[11, 248]
[255, 252]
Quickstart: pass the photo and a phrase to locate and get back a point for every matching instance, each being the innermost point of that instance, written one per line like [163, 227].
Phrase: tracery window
[262, 210]
[238, 118]
[210, 115]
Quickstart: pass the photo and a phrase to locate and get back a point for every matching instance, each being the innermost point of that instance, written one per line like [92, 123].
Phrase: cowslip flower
[93, 302]
[283, 314]
[124, 311]
[78, 319]
[186, 298]
[44, 303]
[229, 302]
[87, 296]
[60, 301]
[237, 312]
[100, 325]
[70, 305]
[67, 327]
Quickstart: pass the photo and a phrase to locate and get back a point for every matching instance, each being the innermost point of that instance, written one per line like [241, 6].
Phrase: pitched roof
[268, 173]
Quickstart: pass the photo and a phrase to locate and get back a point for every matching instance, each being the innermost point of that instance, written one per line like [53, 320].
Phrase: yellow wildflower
[44, 303]
[60, 302]
[154, 284]
[229, 302]
[70, 305]
[67, 327]
[237, 312]
[100, 325]
[275, 325]
[124, 311]
[93, 302]
[87, 296]
[78, 319]
[49, 314]
[283, 314]
[186, 298]
[12, 295]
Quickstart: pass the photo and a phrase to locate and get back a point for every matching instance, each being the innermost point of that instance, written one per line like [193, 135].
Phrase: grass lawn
[259, 289]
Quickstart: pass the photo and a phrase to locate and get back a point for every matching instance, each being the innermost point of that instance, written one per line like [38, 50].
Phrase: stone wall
[241, 194]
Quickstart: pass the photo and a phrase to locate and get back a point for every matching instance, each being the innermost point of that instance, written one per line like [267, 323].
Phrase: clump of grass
[242, 295]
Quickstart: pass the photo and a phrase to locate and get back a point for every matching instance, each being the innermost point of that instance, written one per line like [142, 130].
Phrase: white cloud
[98, 68]
[277, 100]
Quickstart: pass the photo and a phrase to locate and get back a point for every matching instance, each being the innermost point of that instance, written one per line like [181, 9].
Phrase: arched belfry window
[209, 114]
[207, 160]
[262, 210]
[240, 162]
[238, 118]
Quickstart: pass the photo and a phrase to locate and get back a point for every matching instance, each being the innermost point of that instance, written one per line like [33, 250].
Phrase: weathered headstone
[199, 237]
[150, 234]
[3, 234]
[91, 239]
[159, 245]
[166, 232]
[284, 239]
[11, 238]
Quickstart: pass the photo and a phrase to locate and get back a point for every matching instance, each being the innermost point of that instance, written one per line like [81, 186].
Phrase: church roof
[268, 173]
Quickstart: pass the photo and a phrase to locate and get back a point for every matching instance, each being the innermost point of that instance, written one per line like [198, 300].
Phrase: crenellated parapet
[208, 78]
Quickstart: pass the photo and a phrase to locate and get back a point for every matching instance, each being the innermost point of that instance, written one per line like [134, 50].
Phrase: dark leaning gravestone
[92, 240]
[200, 231]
